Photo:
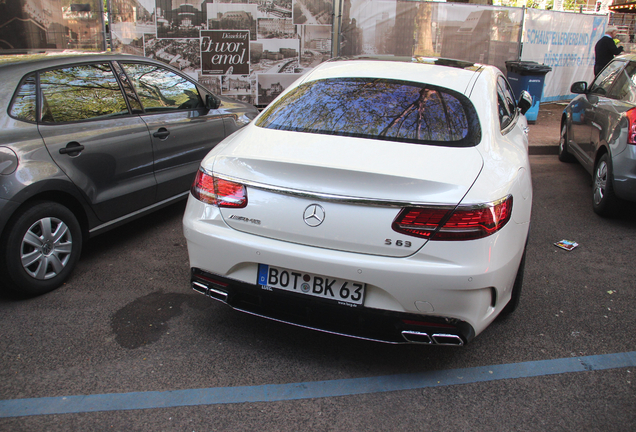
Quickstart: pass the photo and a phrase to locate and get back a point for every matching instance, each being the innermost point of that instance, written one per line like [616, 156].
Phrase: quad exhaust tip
[210, 292]
[434, 339]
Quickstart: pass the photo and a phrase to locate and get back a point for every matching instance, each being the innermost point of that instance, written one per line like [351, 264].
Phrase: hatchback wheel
[564, 155]
[42, 245]
[604, 201]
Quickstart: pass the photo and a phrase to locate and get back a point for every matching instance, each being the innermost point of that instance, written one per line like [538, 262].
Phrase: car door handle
[72, 149]
[162, 133]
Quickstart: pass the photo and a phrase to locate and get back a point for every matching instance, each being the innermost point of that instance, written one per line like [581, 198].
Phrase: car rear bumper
[314, 313]
[469, 282]
[624, 171]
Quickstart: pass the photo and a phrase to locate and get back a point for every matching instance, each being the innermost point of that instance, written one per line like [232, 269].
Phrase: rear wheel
[564, 155]
[604, 201]
[42, 245]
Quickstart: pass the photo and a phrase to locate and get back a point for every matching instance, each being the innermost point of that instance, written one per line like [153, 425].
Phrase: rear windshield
[378, 109]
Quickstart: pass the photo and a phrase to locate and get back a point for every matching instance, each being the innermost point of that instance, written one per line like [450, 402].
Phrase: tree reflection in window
[79, 93]
[375, 108]
[23, 106]
[160, 89]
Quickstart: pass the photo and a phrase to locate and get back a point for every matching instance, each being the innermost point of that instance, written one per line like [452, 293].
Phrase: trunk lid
[354, 187]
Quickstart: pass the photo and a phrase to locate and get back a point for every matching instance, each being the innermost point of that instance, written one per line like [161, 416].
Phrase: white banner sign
[565, 42]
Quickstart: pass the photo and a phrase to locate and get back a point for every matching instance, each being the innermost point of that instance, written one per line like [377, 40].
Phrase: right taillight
[219, 192]
[631, 129]
[463, 223]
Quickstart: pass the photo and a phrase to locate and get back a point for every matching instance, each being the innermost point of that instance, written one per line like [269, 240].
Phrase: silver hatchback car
[598, 128]
[88, 142]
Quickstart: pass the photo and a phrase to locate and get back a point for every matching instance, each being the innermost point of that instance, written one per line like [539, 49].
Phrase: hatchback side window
[604, 81]
[625, 87]
[162, 90]
[80, 92]
[23, 106]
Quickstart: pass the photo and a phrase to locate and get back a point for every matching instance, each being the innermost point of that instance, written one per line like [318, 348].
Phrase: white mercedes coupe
[385, 199]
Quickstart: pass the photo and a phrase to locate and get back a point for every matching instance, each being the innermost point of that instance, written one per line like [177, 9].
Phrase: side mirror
[525, 102]
[212, 102]
[579, 87]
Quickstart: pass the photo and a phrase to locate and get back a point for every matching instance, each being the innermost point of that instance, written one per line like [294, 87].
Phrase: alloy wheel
[600, 182]
[46, 248]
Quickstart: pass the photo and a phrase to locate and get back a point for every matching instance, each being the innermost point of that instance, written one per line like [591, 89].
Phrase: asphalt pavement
[126, 345]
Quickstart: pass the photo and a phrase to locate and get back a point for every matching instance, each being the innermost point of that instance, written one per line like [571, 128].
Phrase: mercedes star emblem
[314, 215]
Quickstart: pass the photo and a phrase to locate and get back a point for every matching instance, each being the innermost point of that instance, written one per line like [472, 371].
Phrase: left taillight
[631, 130]
[218, 192]
[462, 223]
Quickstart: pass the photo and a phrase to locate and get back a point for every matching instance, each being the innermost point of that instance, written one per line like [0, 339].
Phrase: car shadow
[129, 232]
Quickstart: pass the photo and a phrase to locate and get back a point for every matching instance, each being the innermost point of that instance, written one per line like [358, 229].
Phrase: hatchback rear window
[378, 109]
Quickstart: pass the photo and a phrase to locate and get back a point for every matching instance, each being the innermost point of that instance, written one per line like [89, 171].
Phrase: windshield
[379, 109]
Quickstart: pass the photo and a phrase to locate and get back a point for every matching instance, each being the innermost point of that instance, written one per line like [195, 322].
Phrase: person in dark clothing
[605, 49]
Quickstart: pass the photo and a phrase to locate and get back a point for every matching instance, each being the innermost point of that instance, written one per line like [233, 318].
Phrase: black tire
[564, 154]
[513, 304]
[40, 248]
[604, 200]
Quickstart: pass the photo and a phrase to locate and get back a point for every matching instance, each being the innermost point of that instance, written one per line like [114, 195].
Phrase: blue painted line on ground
[309, 390]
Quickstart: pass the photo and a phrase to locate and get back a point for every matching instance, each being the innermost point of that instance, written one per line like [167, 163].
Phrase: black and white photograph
[275, 8]
[275, 55]
[225, 52]
[210, 82]
[234, 85]
[249, 98]
[129, 24]
[179, 18]
[313, 12]
[183, 54]
[316, 45]
[276, 28]
[316, 38]
[232, 16]
[271, 85]
[51, 24]
[18, 18]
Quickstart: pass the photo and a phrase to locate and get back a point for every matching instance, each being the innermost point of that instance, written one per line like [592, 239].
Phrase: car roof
[439, 61]
[453, 74]
[22, 63]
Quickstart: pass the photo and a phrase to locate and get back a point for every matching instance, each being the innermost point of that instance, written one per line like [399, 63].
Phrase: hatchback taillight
[219, 192]
[462, 223]
[631, 130]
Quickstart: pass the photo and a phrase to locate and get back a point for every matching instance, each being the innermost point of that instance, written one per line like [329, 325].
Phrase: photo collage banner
[42, 25]
[249, 50]
[252, 50]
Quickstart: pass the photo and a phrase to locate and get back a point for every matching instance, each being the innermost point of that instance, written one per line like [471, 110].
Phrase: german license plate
[341, 290]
